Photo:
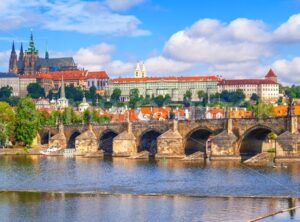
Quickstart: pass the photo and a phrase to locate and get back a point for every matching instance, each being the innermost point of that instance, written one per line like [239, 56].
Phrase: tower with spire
[13, 67]
[21, 61]
[140, 72]
[271, 76]
[31, 57]
[62, 102]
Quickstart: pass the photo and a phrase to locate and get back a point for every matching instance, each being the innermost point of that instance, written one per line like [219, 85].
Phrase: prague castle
[29, 61]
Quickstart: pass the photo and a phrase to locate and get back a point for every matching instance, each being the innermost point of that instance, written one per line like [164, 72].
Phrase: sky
[230, 38]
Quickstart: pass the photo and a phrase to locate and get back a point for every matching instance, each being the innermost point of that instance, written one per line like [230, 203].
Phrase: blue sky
[232, 38]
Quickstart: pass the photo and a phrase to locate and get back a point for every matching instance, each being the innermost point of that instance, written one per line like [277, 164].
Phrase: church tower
[13, 68]
[271, 76]
[21, 61]
[144, 71]
[31, 57]
[140, 72]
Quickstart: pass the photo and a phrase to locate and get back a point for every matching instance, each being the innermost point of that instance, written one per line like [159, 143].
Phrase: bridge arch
[72, 139]
[106, 141]
[148, 141]
[45, 137]
[196, 140]
[254, 141]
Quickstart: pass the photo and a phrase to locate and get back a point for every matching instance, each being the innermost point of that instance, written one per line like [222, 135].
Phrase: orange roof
[168, 78]
[69, 75]
[271, 74]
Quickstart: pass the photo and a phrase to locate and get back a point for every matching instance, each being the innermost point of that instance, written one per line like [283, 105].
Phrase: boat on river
[51, 150]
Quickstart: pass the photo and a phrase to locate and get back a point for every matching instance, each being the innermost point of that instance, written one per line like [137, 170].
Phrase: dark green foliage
[293, 91]
[115, 96]
[187, 98]
[27, 121]
[7, 122]
[133, 98]
[232, 97]
[91, 95]
[73, 93]
[280, 100]
[35, 90]
[255, 97]
[5, 93]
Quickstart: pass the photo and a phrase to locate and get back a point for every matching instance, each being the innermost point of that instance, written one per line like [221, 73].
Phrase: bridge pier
[224, 145]
[170, 143]
[288, 143]
[59, 139]
[125, 143]
[86, 142]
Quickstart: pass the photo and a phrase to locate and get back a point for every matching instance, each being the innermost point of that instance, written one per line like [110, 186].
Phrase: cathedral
[29, 61]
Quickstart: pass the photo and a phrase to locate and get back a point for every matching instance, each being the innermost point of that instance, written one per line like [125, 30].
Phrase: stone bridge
[218, 138]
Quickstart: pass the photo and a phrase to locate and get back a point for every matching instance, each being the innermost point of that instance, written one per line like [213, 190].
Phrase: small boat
[50, 150]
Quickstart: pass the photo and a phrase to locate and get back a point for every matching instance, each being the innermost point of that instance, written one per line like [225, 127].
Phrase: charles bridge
[218, 138]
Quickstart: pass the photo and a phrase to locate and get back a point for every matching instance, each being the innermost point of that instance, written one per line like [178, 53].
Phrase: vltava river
[81, 189]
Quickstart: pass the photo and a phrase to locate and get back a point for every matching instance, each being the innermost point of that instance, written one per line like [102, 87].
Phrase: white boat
[50, 150]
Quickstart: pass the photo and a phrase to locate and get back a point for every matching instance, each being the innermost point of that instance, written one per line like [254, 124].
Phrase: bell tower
[31, 57]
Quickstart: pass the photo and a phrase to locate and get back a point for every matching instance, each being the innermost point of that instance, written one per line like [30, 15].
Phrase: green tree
[27, 121]
[45, 118]
[7, 122]
[280, 100]
[187, 98]
[115, 96]
[87, 116]
[262, 110]
[5, 92]
[92, 95]
[74, 93]
[133, 98]
[159, 100]
[255, 97]
[67, 115]
[35, 90]
[233, 97]
[201, 95]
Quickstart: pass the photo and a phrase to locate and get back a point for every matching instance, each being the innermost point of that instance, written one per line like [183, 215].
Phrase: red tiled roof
[246, 82]
[169, 78]
[97, 74]
[271, 74]
[69, 75]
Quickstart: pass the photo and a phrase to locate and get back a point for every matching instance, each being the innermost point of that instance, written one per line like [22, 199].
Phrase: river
[83, 189]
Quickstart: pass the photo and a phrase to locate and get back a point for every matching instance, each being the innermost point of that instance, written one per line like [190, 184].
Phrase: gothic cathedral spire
[21, 54]
[13, 68]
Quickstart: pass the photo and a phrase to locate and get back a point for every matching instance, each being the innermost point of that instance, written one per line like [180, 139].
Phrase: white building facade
[267, 89]
[12, 80]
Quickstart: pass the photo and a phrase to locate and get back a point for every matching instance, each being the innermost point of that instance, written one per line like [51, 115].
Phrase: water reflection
[121, 175]
[22, 206]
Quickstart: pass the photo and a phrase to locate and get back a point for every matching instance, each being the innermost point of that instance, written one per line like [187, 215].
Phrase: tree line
[20, 124]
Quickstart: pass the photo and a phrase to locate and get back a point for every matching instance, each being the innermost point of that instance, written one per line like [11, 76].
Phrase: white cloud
[160, 65]
[240, 70]
[4, 57]
[75, 15]
[122, 4]
[288, 70]
[210, 41]
[94, 57]
[99, 57]
[290, 30]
